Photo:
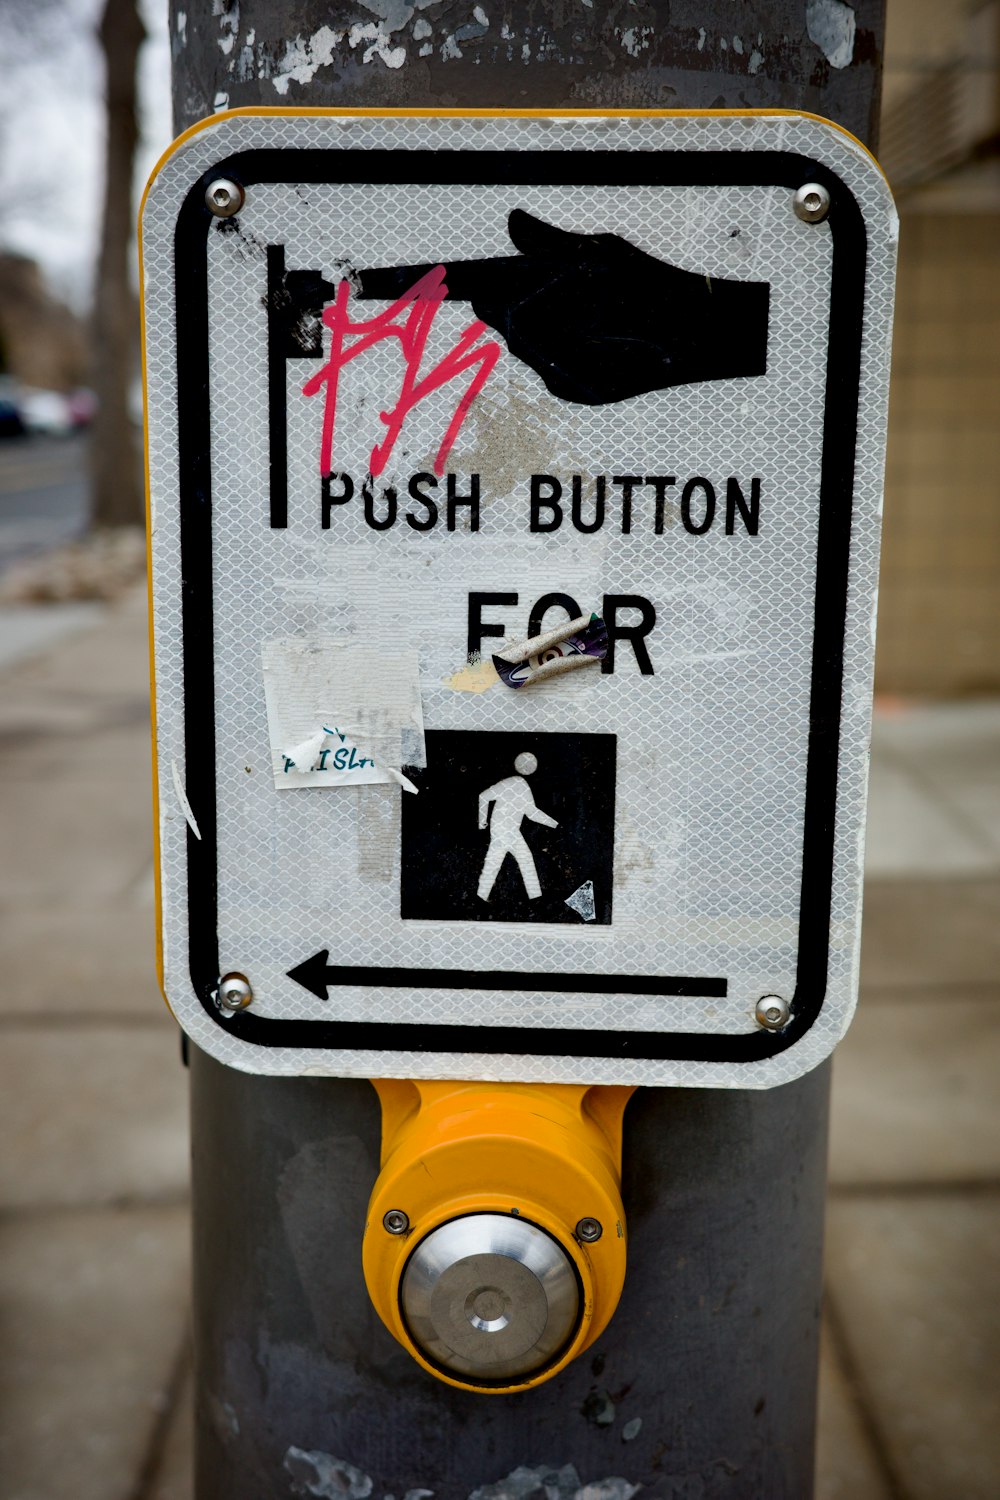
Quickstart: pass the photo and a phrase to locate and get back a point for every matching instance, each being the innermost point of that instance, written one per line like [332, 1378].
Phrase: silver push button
[490, 1296]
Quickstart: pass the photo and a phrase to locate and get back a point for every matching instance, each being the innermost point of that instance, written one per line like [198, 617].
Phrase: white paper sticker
[341, 714]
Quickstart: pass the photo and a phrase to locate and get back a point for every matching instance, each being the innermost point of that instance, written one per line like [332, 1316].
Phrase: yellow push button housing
[495, 1244]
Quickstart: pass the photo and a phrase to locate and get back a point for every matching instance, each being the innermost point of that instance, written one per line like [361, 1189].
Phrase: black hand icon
[597, 318]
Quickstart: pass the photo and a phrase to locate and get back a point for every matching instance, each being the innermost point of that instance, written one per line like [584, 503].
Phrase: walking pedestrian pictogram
[511, 803]
[510, 827]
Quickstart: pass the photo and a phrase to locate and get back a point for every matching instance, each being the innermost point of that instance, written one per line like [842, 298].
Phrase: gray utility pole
[704, 1384]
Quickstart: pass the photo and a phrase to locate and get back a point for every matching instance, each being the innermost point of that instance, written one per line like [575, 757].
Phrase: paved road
[43, 494]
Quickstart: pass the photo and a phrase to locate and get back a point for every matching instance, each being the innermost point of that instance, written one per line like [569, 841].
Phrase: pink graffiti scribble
[423, 299]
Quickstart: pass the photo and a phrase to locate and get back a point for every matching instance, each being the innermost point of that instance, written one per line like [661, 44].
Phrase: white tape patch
[342, 714]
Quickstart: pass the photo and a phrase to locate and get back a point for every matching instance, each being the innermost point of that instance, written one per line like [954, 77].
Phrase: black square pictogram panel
[510, 828]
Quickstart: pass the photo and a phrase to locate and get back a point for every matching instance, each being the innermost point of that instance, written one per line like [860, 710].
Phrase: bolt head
[395, 1222]
[811, 202]
[589, 1230]
[224, 197]
[234, 992]
[772, 1012]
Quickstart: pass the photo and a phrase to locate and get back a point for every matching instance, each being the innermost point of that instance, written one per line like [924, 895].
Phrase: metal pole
[704, 1384]
[522, 54]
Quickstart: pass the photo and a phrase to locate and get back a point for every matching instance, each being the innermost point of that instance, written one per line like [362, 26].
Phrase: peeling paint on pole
[318, 1473]
[573, 53]
[832, 25]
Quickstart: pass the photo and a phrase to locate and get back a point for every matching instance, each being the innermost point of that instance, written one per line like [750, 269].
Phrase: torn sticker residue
[579, 643]
[474, 678]
[582, 901]
[189, 817]
[342, 714]
[378, 834]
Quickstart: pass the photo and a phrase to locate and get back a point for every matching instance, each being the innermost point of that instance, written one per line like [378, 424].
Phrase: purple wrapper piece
[591, 641]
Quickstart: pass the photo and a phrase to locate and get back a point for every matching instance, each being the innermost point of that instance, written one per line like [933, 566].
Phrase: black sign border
[554, 166]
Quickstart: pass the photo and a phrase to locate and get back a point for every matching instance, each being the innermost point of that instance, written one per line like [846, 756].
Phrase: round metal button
[490, 1296]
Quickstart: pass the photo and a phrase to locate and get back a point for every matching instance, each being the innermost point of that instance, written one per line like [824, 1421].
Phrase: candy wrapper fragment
[580, 643]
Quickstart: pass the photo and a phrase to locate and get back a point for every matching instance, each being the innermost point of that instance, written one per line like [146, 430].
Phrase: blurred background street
[94, 1369]
[44, 500]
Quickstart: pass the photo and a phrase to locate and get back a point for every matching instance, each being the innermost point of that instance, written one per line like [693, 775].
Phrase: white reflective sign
[441, 387]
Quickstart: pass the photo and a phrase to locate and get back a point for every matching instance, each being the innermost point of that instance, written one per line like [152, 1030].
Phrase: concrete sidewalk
[94, 1377]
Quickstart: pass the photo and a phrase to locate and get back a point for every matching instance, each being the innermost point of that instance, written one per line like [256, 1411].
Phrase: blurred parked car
[46, 412]
[11, 419]
[82, 405]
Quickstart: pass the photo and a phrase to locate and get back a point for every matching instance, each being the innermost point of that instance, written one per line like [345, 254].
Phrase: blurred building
[939, 625]
[42, 342]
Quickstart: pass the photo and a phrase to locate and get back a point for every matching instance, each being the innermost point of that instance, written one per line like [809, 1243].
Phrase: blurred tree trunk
[117, 492]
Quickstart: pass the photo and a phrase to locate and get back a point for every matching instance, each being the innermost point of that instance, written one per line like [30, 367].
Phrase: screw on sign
[224, 198]
[812, 202]
[235, 992]
[773, 1012]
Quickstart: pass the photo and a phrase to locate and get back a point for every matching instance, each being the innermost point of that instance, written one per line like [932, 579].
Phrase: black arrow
[316, 974]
